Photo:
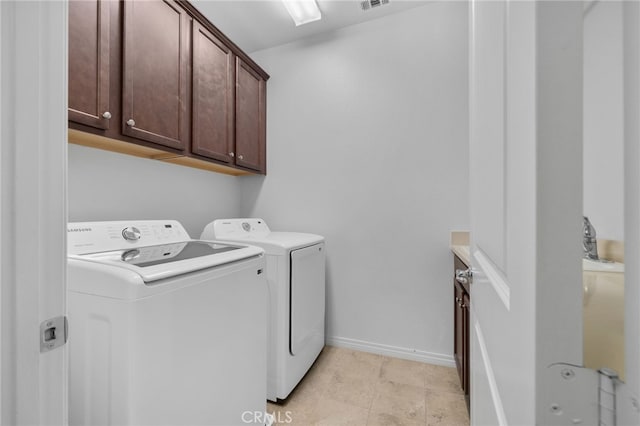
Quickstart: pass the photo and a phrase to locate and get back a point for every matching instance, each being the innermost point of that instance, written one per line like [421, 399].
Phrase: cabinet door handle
[232, 154]
[131, 122]
[240, 157]
[106, 115]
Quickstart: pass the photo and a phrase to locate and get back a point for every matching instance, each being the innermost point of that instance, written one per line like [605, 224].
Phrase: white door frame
[2, 401]
[559, 291]
[33, 215]
[631, 55]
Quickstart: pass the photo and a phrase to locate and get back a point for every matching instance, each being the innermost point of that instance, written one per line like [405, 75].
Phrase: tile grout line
[375, 389]
[426, 392]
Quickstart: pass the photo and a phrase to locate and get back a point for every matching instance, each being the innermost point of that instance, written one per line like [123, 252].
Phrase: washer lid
[153, 249]
[157, 262]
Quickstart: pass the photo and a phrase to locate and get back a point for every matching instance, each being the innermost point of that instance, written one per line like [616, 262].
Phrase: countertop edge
[462, 252]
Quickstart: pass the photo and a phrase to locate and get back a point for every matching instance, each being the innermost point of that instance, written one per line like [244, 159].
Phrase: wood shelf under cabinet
[95, 141]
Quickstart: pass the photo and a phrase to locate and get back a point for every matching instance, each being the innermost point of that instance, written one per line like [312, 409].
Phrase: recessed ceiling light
[303, 11]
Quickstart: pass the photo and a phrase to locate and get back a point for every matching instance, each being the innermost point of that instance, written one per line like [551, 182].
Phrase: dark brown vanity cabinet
[461, 292]
[89, 65]
[155, 78]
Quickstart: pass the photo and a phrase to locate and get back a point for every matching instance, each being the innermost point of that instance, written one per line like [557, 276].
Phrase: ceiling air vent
[370, 4]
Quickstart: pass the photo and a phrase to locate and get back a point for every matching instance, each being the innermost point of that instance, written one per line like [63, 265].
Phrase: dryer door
[307, 298]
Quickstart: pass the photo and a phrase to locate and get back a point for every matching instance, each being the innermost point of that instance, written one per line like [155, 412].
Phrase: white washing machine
[164, 330]
[296, 278]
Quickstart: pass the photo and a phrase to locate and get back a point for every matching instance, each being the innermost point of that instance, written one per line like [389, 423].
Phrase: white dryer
[163, 329]
[296, 278]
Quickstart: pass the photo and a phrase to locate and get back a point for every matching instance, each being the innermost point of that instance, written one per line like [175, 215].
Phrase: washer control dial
[131, 233]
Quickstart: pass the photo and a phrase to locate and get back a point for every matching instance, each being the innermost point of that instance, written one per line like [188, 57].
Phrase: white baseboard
[392, 351]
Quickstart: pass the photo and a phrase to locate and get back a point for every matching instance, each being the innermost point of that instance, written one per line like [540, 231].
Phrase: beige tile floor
[346, 387]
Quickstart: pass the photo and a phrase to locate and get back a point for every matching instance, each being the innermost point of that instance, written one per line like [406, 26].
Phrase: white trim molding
[1, 217]
[392, 351]
[33, 207]
[495, 276]
[491, 378]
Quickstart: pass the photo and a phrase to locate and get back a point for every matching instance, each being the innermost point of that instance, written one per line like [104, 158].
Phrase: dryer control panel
[91, 237]
[236, 229]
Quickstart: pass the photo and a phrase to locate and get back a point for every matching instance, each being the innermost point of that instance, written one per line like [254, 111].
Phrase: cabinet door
[155, 67]
[466, 316]
[212, 110]
[459, 332]
[250, 118]
[89, 32]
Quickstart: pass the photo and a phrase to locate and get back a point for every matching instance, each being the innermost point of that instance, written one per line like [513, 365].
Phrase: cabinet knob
[106, 115]
[232, 154]
[131, 122]
[240, 157]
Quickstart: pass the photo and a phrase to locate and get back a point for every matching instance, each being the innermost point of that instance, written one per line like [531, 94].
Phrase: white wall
[109, 186]
[367, 145]
[603, 119]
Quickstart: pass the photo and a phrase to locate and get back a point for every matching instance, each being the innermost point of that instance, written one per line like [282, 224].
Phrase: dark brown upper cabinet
[213, 84]
[155, 73]
[89, 33]
[251, 90]
[154, 78]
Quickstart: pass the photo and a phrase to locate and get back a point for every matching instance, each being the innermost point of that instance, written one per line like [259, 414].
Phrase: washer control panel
[92, 237]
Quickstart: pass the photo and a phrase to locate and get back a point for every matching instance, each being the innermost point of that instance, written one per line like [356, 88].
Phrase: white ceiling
[258, 24]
